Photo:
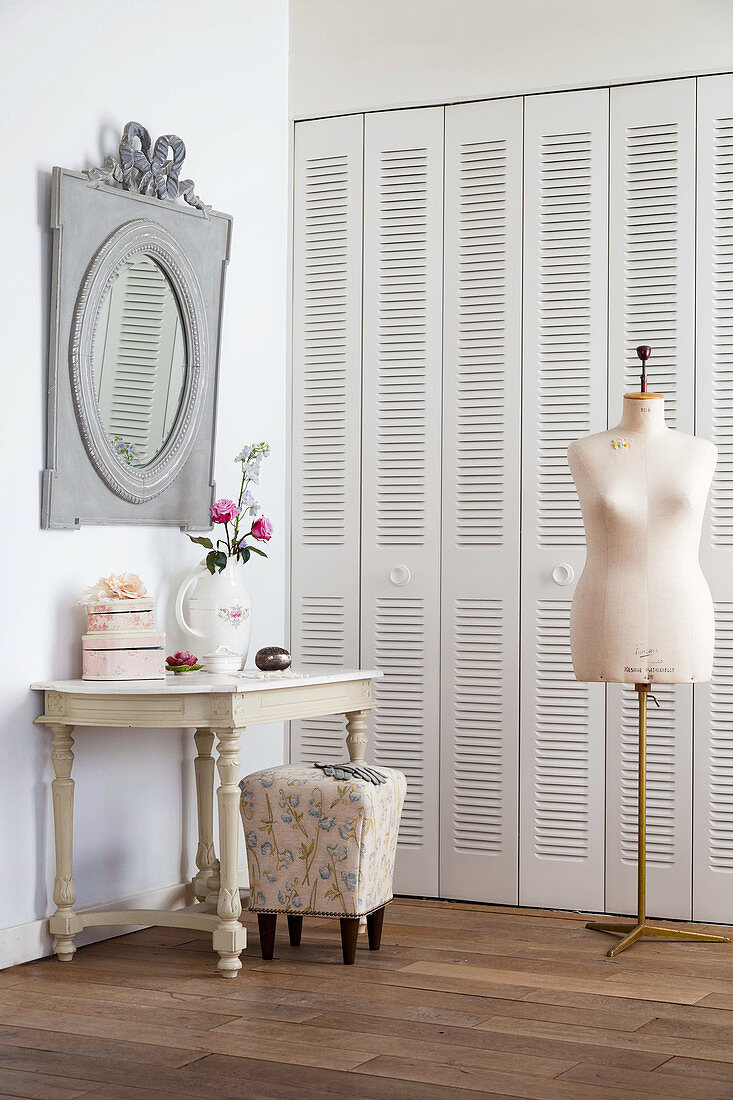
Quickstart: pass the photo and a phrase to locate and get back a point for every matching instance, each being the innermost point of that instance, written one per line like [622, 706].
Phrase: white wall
[72, 72]
[350, 55]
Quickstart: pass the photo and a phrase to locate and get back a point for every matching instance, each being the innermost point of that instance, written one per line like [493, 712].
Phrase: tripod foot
[601, 926]
[633, 932]
[657, 932]
[634, 935]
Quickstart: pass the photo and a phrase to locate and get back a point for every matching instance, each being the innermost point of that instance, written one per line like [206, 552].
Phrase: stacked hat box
[121, 642]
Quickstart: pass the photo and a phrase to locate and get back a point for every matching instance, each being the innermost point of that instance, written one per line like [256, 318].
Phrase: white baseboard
[26, 942]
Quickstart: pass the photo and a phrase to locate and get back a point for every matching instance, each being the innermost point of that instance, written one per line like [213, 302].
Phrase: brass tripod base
[633, 932]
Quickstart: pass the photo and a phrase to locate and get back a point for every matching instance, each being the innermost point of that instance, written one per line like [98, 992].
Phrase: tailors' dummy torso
[642, 609]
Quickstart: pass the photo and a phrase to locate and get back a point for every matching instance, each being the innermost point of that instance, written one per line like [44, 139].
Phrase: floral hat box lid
[111, 606]
[120, 616]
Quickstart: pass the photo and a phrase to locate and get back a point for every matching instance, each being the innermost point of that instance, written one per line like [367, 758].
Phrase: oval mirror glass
[139, 360]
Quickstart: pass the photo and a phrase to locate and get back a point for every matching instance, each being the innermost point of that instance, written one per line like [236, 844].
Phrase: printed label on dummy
[654, 663]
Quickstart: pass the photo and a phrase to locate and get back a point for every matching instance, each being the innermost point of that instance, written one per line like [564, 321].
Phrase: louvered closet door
[403, 268]
[713, 847]
[481, 455]
[327, 275]
[564, 396]
[652, 301]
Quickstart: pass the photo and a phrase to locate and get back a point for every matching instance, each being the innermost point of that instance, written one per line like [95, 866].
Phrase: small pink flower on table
[262, 529]
[181, 658]
[223, 511]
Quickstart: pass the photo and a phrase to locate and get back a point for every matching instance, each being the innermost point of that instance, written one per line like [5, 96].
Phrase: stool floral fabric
[320, 846]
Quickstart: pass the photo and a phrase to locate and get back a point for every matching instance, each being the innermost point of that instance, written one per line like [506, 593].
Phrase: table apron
[225, 710]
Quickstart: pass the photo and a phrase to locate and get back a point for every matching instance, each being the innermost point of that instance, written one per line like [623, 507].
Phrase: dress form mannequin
[642, 611]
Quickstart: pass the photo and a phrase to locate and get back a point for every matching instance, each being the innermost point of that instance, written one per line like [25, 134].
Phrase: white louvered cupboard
[564, 395]
[712, 819]
[469, 287]
[401, 464]
[479, 712]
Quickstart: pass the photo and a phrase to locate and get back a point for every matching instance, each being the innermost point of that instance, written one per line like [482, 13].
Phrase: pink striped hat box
[131, 656]
[120, 616]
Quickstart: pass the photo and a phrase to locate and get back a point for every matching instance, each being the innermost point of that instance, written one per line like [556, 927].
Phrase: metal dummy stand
[633, 932]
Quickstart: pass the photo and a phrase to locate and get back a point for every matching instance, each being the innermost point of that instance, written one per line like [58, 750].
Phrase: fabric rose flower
[122, 586]
[262, 529]
[181, 658]
[223, 511]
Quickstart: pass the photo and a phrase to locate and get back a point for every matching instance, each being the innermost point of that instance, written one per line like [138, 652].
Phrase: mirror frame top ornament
[101, 219]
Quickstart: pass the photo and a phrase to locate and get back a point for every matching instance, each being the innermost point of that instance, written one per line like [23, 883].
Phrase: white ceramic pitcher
[220, 615]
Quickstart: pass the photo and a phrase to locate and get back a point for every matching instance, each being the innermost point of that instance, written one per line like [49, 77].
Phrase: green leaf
[201, 540]
[244, 551]
[257, 551]
[216, 559]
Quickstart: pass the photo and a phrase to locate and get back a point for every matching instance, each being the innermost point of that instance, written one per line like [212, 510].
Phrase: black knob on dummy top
[643, 351]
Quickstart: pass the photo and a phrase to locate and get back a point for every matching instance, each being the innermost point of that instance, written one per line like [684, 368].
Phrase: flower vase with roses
[219, 605]
[231, 517]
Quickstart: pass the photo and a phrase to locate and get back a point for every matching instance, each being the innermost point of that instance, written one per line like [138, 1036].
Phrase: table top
[207, 683]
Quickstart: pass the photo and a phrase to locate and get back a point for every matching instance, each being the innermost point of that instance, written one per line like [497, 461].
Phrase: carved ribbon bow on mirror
[158, 175]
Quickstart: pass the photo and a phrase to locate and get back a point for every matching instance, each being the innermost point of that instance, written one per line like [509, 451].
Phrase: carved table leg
[206, 860]
[229, 937]
[356, 743]
[64, 923]
[356, 738]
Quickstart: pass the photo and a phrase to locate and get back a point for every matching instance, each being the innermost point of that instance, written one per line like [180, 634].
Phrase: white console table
[217, 707]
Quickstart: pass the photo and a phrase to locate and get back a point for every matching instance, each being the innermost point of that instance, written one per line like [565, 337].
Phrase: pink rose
[262, 529]
[223, 511]
[181, 658]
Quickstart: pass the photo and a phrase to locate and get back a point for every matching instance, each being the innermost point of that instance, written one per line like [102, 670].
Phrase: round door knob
[563, 574]
[399, 575]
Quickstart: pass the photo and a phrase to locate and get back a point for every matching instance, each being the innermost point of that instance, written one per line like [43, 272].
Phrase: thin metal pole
[642, 690]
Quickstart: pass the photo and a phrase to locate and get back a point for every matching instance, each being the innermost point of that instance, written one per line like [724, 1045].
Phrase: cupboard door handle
[400, 575]
[563, 574]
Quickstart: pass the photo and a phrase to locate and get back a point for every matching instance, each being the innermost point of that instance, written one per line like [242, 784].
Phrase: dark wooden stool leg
[374, 929]
[349, 936]
[295, 930]
[267, 922]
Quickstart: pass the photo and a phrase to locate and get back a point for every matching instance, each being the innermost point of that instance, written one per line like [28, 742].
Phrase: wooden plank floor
[462, 1001]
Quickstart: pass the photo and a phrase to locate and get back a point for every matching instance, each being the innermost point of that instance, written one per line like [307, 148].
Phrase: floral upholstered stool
[320, 846]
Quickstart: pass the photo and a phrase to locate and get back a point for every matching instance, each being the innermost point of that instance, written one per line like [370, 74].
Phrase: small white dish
[222, 659]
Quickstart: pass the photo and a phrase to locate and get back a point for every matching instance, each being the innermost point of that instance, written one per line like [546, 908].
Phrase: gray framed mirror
[137, 295]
